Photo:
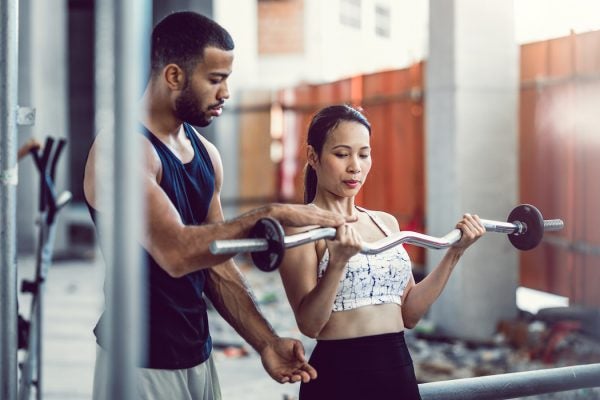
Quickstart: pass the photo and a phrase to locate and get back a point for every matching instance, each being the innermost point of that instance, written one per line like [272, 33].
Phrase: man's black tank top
[178, 335]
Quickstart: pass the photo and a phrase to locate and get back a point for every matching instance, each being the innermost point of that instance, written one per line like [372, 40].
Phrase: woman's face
[345, 160]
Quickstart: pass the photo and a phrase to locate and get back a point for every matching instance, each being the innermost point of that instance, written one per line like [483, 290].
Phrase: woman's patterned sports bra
[371, 279]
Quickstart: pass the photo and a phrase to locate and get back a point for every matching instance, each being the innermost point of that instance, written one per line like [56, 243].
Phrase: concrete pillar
[471, 152]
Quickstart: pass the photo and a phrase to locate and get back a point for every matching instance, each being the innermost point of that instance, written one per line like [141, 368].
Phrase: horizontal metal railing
[514, 385]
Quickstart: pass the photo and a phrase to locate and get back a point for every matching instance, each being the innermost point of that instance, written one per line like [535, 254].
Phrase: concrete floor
[73, 303]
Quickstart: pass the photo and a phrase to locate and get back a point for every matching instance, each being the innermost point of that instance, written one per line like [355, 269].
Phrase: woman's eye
[341, 155]
[365, 155]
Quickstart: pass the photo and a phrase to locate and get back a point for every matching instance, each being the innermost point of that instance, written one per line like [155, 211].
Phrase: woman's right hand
[346, 244]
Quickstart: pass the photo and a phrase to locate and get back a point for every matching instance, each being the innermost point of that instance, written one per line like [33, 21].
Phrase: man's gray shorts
[197, 383]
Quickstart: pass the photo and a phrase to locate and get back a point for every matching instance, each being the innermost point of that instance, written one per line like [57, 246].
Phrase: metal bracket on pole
[25, 116]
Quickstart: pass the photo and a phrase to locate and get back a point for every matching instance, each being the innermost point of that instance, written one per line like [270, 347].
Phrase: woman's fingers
[471, 227]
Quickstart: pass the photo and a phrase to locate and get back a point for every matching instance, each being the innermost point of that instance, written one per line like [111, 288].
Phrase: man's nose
[223, 93]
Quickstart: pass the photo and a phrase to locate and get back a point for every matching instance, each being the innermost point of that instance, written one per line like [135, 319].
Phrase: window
[383, 20]
[350, 13]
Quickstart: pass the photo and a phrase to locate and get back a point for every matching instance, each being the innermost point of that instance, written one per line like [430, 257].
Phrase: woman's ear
[174, 76]
[311, 156]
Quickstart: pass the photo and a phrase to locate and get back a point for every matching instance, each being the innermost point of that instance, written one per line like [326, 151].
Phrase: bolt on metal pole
[9, 15]
[123, 36]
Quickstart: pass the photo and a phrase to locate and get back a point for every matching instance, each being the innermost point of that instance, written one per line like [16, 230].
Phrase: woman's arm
[419, 297]
[312, 299]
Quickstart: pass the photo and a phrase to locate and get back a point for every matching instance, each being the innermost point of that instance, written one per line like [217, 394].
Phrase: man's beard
[187, 109]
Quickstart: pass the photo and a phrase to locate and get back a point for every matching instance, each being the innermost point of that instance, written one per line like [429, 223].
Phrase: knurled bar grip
[415, 238]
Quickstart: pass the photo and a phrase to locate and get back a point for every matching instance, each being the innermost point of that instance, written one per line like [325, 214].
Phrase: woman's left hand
[472, 229]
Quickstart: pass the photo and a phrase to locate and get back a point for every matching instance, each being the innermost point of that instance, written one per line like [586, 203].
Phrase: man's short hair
[180, 38]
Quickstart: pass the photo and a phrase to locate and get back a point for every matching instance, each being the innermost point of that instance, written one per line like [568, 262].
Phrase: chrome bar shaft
[409, 237]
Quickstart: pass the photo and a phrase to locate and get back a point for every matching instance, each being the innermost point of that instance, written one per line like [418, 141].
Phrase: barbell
[267, 243]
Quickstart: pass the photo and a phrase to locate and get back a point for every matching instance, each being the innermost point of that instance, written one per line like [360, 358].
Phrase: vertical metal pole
[9, 15]
[123, 36]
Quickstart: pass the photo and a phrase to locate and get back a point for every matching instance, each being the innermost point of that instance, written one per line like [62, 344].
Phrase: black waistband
[363, 340]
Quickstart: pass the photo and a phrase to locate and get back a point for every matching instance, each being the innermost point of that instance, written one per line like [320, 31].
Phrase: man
[191, 60]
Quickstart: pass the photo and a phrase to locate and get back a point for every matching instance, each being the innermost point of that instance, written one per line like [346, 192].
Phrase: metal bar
[418, 239]
[9, 16]
[126, 288]
[514, 385]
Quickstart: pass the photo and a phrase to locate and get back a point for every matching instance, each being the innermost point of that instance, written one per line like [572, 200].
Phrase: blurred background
[475, 107]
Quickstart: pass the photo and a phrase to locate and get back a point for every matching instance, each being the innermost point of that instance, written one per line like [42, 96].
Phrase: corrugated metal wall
[560, 162]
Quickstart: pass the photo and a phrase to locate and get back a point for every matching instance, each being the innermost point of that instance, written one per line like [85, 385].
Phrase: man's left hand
[284, 360]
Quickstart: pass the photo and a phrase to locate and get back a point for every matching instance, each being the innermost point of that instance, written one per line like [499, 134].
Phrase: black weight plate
[271, 230]
[534, 223]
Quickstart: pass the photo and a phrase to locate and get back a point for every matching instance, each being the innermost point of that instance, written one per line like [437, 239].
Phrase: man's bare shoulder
[99, 161]
[210, 147]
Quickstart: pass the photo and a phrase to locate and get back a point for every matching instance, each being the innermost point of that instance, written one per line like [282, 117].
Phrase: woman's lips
[351, 183]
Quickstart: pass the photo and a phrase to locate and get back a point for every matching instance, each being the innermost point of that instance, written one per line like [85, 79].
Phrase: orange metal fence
[560, 162]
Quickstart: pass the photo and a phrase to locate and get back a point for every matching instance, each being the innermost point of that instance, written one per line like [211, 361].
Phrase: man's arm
[180, 249]
[230, 294]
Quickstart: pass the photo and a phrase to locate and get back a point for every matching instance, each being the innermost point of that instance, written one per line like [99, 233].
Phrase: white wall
[334, 51]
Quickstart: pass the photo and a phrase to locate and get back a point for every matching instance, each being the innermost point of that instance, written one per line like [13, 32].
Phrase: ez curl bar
[267, 242]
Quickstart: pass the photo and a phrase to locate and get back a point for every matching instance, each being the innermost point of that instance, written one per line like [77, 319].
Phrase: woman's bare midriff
[363, 321]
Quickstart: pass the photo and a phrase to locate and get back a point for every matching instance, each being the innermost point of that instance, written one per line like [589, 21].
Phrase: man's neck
[157, 115]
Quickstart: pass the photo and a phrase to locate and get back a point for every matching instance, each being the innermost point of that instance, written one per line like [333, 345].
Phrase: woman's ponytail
[310, 184]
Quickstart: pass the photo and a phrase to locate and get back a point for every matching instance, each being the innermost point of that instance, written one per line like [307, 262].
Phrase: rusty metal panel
[560, 57]
[587, 50]
[533, 60]
[560, 162]
[257, 172]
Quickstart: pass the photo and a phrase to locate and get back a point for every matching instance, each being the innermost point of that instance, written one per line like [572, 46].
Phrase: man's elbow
[174, 264]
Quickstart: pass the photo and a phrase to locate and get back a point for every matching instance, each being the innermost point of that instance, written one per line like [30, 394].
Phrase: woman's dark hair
[322, 123]
[180, 38]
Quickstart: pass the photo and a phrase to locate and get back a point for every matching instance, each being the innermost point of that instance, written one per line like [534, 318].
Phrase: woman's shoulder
[387, 218]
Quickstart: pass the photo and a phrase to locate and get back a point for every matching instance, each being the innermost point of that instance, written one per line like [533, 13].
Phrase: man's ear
[174, 76]
[311, 156]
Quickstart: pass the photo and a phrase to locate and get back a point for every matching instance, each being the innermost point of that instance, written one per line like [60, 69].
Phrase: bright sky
[542, 19]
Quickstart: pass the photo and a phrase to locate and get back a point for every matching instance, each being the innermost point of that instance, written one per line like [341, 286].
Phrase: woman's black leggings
[370, 367]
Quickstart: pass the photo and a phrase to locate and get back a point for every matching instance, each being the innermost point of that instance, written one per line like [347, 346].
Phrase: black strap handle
[46, 164]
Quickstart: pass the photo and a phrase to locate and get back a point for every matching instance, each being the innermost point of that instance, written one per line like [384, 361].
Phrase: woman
[357, 306]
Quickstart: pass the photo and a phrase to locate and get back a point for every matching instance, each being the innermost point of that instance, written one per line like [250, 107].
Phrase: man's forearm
[185, 248]
[232, 297]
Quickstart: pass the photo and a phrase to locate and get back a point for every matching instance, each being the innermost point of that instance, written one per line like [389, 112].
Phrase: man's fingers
[299, 352]
[310, 371]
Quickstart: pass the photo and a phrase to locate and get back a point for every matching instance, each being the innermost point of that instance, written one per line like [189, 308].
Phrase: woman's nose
[354, 165]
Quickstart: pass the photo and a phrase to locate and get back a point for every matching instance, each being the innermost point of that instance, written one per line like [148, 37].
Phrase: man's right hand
[307, 215]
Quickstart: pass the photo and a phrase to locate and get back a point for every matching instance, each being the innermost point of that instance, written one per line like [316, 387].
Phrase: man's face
[205, 91]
